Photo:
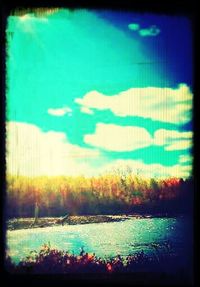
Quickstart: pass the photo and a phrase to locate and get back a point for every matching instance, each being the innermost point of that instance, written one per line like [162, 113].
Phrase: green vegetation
[106, 194]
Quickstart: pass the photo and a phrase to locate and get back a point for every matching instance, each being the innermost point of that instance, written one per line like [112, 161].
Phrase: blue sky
[91, 91]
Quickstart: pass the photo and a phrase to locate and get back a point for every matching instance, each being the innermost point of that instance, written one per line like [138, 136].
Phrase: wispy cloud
[150, 170]
[60, 112]
[134, 26]
[186, 158]
[150, 31]
[173, 140]
[86, 110]
[160, 104]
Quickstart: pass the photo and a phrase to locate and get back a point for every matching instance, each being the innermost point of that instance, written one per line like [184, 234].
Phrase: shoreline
[28, 223]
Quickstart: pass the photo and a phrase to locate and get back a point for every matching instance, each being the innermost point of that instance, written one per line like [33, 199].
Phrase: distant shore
[27, 223]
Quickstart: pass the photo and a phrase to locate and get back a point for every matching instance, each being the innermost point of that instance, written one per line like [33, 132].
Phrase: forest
[105, 194]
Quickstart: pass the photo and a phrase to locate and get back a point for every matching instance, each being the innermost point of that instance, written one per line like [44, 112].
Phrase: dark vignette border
[186, 8]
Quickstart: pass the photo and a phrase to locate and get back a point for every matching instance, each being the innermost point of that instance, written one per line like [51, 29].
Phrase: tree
[36, 212]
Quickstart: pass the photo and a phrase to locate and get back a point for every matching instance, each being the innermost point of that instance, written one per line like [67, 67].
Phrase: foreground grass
[52, 261]
[53, 266]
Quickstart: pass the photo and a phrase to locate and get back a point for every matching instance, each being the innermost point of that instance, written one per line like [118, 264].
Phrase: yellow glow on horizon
[24, 17]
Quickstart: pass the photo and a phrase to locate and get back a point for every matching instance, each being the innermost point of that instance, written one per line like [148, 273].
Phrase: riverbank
[27, 223]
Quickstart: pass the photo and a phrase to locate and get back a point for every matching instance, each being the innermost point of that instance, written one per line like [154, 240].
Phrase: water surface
[106, 239]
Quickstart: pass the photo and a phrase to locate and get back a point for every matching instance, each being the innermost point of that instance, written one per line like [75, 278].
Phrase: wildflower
[68, 261]
[109, 267]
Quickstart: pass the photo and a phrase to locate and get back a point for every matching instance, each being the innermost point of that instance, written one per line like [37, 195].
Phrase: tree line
[105, 194]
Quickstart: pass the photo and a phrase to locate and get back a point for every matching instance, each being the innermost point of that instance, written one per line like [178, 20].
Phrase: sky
[95, 91]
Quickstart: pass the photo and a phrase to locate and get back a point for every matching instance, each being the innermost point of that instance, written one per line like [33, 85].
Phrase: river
[106, 239]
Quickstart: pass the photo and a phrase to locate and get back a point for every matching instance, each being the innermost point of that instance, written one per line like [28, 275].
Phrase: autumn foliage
[53, 261]
[106, 194]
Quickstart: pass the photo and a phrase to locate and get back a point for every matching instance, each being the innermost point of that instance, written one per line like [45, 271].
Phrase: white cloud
[32, 152]
[160, 104]
[173, 140]
[127, 138]
[185, 158]
[150, 170]
[86, 110]
[149, 32]
[118, 138]
[59, 112]
[180, 145]
[95, 100]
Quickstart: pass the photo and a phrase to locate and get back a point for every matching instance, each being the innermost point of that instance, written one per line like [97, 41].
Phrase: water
[105, 239]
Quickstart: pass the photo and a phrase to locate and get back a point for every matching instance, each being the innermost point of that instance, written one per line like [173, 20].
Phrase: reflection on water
[105, 239]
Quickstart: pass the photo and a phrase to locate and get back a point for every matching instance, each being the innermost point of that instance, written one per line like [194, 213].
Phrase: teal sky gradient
[56, 58]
